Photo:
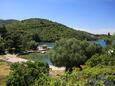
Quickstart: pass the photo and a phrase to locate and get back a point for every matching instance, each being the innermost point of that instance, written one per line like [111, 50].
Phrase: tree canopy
[72, 52]
[45, 30]
[2, 45]
[3, 30]
[25, 74]
[19, 40]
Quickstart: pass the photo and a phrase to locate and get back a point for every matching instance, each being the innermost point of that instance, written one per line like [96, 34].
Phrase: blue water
[50, 45]
[40, 57]
[101, 42]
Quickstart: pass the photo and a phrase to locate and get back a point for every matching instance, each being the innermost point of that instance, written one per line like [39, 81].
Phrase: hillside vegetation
[86, 63]
[45, 30]
[16, 36]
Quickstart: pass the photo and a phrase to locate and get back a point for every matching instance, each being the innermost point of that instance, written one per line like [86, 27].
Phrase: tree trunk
[69, 69]
[80, 67]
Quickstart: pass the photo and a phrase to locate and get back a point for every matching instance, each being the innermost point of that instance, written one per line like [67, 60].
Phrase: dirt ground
[4, 72]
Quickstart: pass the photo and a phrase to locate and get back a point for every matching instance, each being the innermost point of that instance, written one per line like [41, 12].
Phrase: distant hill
[8, 21]
[45, 30]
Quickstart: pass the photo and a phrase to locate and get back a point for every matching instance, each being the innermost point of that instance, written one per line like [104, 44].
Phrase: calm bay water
[39, 56]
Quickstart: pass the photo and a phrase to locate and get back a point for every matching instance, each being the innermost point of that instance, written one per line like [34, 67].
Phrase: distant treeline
[45, 30]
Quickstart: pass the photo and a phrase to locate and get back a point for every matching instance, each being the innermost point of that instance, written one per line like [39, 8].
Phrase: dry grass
[56, 73]
[4, 72]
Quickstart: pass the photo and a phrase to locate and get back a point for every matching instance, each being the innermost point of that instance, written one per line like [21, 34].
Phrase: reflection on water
[39, 57]
[43, 58]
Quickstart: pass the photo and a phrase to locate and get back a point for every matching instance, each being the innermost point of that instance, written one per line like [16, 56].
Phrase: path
[14, 58]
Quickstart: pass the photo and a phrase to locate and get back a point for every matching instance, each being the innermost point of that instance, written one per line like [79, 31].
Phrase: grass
[4, 72]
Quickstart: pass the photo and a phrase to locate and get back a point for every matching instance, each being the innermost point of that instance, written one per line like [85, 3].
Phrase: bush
[25, 74]
[96, 76]
[72, 53]
[98, 60]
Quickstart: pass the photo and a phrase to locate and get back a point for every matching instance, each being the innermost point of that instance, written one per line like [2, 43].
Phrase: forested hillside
[44, 30]
[24, 35]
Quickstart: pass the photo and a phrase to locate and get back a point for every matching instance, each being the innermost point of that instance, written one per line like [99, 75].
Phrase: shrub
[24, 74]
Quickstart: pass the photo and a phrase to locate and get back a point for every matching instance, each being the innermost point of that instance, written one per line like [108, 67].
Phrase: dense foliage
[102, 75]
[25, 35]
[45, 30]
[98, 60]
[2, 45]
[3, 31]
[98, 68]
[98, 71]
[96, 76]
[25, 74]
[72, 52]
[19, 40]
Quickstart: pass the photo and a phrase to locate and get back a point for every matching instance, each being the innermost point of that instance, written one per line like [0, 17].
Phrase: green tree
[36, 37]
[32, 45]
[25, 74]
[19, 40]
[3, 30]
[71, 52]
[2, 45]
[14, 40]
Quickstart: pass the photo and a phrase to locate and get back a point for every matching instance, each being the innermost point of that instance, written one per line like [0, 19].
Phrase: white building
[42, 48]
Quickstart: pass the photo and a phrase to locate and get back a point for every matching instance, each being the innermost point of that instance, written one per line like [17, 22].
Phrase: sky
[95, 16]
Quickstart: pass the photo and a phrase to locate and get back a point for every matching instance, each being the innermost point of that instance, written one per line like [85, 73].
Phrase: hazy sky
[97, 16]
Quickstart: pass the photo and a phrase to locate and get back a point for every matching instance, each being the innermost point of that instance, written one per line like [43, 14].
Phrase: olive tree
[3, 30]
[71, 53]
[2, 45]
